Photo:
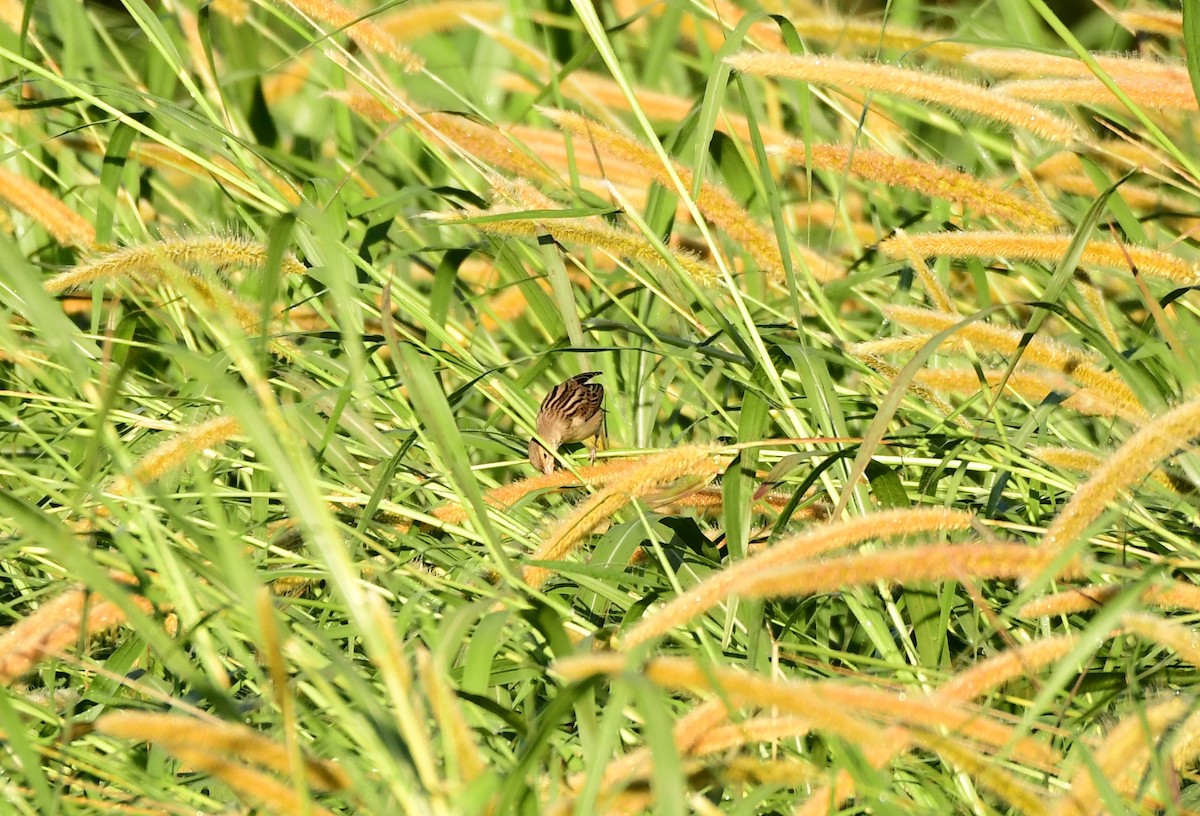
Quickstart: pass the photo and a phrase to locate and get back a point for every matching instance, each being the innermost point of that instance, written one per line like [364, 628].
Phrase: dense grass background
[261, 493]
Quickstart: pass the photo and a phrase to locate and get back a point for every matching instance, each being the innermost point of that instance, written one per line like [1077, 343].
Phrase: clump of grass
[720, 614]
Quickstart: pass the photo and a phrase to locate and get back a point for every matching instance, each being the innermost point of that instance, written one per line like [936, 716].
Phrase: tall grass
[896, 318]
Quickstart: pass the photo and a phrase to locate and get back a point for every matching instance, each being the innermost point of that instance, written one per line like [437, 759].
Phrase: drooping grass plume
[1147, 94]
[581, 231]
[927, 178]
[933, 287]
[364, 33]
[1086, 461]
[1124, 756]
[1167, 23]
[813, 23]
[221, 739]
[56, 625]
[65, 225]
[706, 499]
[648, 476]
[920, 85]
[713, 202]
[845, 709]
[880, 366]
[793, 551]
[975, 681]
[216, 748]
[1132, 462]
[221, 253]
[182, 169]
[1019, 246]
[237, 11]
[1167, 595]
[1081, 366]
[1034, 386]
[1173, 635]
[461, 747]
[923, 563]
[872, 35]
[175, 452]
[411, 21]
[594, 90]
[1041, 65]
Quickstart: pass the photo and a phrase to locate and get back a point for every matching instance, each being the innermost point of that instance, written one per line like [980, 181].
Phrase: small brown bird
[571, 412]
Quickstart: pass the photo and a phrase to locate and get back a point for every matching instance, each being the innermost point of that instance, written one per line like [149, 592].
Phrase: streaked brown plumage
[571, 412]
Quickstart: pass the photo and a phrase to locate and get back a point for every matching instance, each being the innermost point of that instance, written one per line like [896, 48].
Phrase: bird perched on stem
[571, 412]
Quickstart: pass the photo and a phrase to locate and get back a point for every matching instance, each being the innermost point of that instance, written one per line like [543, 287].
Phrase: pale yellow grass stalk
[65, 225]
[1079, 365]
[411, 21]
[1167, 23]
[57, 625]
[1133, 461]
[221, 253]
[175, 452]
[1124, 756]
[649, 475]
[716, 204]
[1033, 386]
[1020, 246]
[927, 178]
[365, 33]
[452, 726]
[913, 84]
[1097, 307]
[939, 562]
[794, 551]
[213, 736]
[933, 287]
[586, 232]
[1147, 94]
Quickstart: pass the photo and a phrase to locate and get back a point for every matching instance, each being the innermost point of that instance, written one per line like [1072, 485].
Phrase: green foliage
[381, 369]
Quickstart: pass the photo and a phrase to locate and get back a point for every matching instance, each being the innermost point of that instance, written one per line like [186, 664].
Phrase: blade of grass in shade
[667, 774]
[1191, 38]
[430, 404]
